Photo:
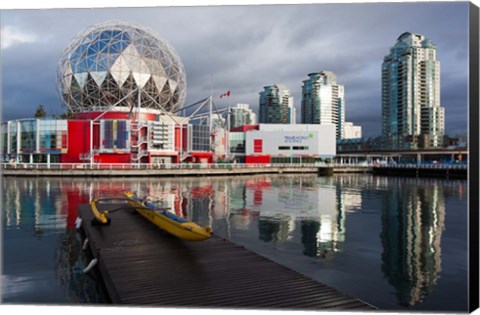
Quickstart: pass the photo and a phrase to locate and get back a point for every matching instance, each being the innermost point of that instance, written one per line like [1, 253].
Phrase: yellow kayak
[168, 221]
[101, 217]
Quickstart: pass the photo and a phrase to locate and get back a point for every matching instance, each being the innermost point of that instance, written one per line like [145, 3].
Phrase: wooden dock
[141, 265]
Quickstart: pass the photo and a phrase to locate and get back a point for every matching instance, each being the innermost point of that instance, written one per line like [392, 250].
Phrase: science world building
[121, 84]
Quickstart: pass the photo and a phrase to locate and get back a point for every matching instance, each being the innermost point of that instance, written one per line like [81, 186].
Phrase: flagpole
[210, 103]
[210, 114]
[227, 133]
[227, 136]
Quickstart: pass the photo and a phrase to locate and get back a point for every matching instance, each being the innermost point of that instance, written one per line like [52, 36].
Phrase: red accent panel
[181, 141]
[115, 115]
[78, 141]
[198, 157]
[112, 158]
[244, 128]
[257, 159]
[258, 145]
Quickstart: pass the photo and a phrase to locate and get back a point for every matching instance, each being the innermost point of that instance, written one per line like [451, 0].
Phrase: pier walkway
[140, 265]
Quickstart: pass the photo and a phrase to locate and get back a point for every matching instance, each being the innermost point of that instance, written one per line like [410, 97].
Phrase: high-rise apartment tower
[276, 105]
[323, 101]
[411, 113]
[241, 115]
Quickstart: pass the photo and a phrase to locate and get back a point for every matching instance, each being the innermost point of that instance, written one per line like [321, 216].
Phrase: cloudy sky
[245, 47]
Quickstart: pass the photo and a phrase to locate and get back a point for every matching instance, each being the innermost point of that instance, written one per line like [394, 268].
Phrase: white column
[19, 137]
[9, 140]
[91, 143]
[210, 123]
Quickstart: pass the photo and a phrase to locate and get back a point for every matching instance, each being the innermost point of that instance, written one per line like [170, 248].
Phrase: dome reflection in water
[396, 243]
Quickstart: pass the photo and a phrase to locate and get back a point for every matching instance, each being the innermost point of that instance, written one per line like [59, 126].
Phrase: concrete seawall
[225, 171]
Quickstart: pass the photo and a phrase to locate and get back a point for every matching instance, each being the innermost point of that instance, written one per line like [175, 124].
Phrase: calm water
[397, 243]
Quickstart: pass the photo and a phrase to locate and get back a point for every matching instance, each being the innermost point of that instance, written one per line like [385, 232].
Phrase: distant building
[276, 105]
[350, 131]
[363, 144]
[411, 113]
[286, 143]
[216, 120]
[323, 101]
[241, 115]
[451, 142]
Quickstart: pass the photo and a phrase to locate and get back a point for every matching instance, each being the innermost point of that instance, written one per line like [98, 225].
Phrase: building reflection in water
[287, 206]
[306, 210]
[413, 219]
[282, 206]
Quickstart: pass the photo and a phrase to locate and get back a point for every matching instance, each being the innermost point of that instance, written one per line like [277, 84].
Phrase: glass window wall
[53, 135]
[13, 137]
[115, 134]
[28, 135]
[237, 142]
[4, 137]
[200, 138]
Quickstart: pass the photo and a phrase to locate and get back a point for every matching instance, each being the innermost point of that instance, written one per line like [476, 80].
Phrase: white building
[350, 131]
[283, 140]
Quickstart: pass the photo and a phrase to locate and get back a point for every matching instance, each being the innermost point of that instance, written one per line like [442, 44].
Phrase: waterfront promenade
[167, 170]
[226, 169]
[141, 265]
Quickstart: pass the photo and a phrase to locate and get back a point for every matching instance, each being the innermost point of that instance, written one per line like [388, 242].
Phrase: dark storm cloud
[26, 84]
[243, 48]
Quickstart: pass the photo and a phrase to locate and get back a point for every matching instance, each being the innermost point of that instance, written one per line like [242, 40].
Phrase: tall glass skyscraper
[276, 105]
[411, 113]
[323, 101]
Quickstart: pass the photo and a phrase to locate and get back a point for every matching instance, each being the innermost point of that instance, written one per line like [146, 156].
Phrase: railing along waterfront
[423, 166]
[146, 166]
[190, 166]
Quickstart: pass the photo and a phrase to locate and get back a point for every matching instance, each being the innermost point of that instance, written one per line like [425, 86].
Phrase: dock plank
[141, 265]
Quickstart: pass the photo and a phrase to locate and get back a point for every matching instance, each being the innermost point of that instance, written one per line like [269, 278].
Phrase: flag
[225, 94]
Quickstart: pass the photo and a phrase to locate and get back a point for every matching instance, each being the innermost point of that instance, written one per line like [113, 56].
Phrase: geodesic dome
[117, 63]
